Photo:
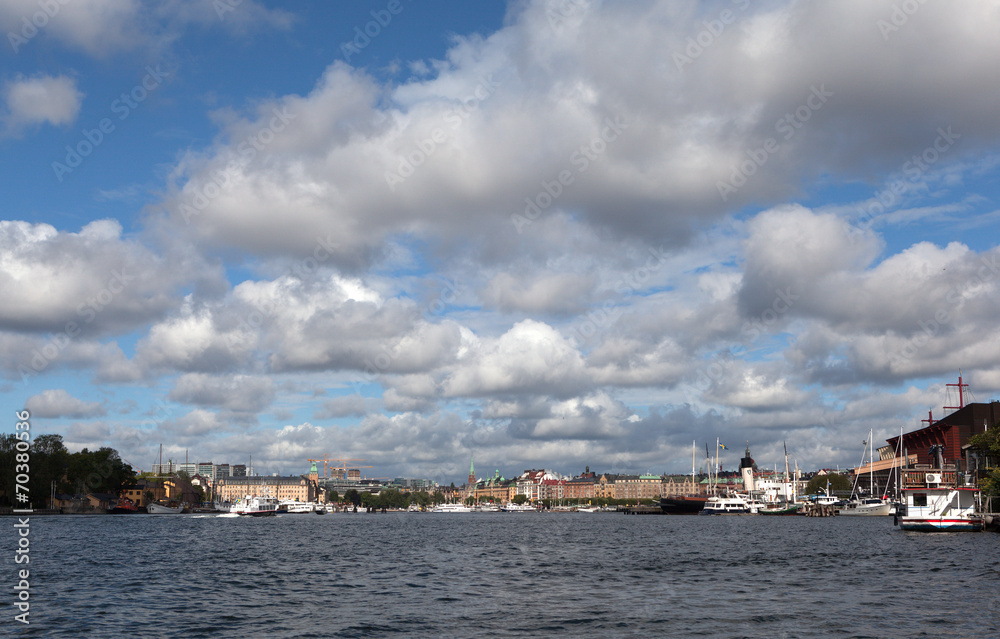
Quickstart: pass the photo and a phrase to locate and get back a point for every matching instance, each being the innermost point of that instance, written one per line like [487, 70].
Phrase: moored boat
[870, 507]
[296, 507]
[780, 509]
[156, 508]
[511, 507]
[123, 507]
[683, 504]
[940, 501]
[729, 505]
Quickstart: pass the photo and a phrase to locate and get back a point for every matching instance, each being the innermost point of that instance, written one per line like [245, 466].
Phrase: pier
[818, 510]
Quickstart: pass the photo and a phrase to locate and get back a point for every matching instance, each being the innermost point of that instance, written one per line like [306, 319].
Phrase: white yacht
[296, 507]
[157, 508]
[451, 508]
[869, 507]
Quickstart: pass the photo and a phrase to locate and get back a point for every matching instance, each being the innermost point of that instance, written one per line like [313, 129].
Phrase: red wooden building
[953, 432]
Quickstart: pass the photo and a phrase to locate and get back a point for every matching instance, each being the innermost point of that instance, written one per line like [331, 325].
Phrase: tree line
[48, 460]
[387, 498]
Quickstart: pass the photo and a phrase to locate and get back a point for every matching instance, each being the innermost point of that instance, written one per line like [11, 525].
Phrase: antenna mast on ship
[961, 397]
[788, 478]
[693, 443]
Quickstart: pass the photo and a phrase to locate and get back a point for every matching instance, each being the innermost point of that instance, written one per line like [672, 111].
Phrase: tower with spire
[472, 472]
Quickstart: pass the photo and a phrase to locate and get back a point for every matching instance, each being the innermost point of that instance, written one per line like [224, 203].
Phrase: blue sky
[550, 234]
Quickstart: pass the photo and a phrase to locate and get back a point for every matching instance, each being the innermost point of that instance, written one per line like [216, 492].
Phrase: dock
[818, 510]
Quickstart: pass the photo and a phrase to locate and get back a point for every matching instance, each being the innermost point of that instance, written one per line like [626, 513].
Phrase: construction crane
[342, 465]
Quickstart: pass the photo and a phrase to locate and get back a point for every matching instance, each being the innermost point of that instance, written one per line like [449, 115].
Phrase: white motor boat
[295, 507]
[451, 508]
[254, 506]
[157, 508]
[511, 507]
[730, 505]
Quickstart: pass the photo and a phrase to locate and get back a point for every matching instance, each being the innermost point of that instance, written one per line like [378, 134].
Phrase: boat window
[920, 499]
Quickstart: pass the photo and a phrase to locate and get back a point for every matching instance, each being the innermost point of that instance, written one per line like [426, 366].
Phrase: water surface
[505, 574]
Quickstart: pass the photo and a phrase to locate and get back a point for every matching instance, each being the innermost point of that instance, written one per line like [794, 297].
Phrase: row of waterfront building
[950, 434]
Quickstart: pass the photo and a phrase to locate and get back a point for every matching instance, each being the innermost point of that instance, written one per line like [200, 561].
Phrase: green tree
[520, 499]
[332, 496]
[988, 443]
[99, 471]
[352, 496]
[422, 499]
[368, 500]
[437, 497]
[391, 498]
[837, 482]
[46, 459]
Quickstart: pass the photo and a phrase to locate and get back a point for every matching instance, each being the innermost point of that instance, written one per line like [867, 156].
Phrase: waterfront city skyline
[549, 234]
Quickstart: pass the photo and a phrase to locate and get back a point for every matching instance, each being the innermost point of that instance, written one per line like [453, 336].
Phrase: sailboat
[869, 506]
[788, 504]
[158, 508]
[691, 503]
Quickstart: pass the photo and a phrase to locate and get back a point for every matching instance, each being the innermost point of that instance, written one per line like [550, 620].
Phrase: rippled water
[486, 574]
